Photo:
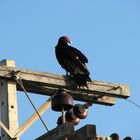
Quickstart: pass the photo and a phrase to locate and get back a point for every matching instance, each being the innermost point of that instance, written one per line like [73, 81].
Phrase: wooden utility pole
[44, 83]
[8, 104]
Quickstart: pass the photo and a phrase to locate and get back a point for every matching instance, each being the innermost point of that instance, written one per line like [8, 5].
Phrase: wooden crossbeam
[47, 84]
[87, 132]
[58, 133]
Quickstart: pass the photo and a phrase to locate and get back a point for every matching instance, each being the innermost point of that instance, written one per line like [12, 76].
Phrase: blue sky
[107, 32]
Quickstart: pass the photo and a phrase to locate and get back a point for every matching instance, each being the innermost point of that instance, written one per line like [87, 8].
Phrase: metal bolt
[1, 83]
[12, 106]
[2, 103]
[3, 135]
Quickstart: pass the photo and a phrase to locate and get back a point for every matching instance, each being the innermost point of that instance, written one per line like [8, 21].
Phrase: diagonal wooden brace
[28, 123]
[6, 129]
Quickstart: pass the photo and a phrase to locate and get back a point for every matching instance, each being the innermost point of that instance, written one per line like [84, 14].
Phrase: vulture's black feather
[73, 61]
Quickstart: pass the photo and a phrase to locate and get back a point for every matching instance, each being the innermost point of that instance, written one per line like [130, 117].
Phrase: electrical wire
[137, 105]
[19, 81]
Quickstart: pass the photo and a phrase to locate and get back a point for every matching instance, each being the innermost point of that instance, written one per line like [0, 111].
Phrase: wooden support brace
[28, 123]
[6, 130]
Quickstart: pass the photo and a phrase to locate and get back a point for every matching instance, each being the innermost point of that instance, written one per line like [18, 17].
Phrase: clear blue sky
[107, 32]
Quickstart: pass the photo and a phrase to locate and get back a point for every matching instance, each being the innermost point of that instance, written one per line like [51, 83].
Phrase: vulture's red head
[64, 40]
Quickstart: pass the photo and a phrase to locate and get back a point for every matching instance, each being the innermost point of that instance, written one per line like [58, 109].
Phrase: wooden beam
[88, 132]
[67, 130]
[8, 105]
[58, 133]
[80, 96]
[99, 92]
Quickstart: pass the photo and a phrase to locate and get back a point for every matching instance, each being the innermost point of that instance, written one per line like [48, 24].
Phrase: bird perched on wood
[73, 61]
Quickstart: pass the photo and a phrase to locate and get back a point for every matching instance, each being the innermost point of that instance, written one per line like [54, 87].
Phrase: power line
[19, 81]
[132, 102]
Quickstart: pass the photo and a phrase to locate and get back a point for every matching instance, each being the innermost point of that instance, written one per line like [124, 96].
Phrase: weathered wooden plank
[40, 86]
[58, 133]
[88, 132]
[103, 100]
[84, 133]
[47, 84]
[8, 105]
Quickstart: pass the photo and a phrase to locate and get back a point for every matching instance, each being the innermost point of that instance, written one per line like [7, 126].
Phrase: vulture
[73, 61]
